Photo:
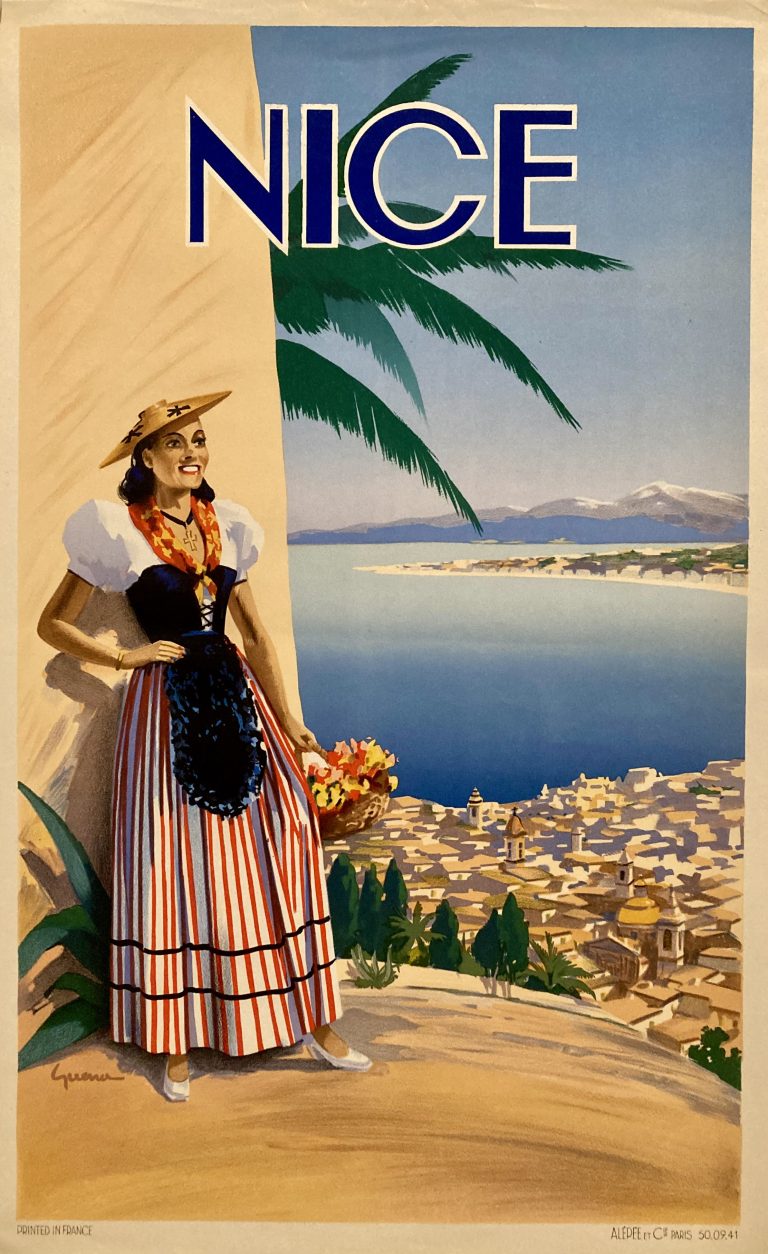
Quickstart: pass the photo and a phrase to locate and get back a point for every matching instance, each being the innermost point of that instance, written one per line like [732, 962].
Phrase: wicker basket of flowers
[352, 787]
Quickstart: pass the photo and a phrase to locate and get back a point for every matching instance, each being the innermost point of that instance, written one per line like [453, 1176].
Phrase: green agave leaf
[74, 929]
[89, 990]
[88, 887]
[65, 1026]
[390, 966]
[318, 389]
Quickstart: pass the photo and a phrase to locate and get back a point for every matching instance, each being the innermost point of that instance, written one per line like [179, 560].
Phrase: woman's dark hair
[139, 481]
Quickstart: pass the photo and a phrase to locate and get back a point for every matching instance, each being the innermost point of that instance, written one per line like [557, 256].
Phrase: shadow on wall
[85, 725]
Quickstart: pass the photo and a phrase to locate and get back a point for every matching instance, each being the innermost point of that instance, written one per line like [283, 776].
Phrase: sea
[507, 684]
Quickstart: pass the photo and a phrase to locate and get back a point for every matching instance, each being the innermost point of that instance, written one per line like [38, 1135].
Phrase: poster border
[277, 1238]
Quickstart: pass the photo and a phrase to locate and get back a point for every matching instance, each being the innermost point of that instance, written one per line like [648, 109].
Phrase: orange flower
[349, 771]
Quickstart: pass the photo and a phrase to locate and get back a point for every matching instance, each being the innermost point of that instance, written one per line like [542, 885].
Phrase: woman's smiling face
[178, 458]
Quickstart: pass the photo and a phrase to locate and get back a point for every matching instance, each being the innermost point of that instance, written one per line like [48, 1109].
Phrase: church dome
[638, 912]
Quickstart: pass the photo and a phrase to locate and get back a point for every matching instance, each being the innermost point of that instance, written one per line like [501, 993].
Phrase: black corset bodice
[164, 601]
[218, 751]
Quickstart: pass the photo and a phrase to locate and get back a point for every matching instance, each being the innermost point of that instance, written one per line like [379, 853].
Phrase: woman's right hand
[158, 651]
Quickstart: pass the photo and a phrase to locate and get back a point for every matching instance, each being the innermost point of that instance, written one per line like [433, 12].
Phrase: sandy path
[476, 1110]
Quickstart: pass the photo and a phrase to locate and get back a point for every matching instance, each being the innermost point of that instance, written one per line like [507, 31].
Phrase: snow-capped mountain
[665, 501]
[655, 512]
[694, 506]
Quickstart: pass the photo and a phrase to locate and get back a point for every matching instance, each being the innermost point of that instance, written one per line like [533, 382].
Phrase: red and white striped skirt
[221, 935]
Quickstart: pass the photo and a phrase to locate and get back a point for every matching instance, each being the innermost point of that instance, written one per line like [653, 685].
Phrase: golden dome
[638, 912]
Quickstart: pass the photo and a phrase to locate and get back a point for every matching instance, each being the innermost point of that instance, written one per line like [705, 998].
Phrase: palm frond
[474, 251]
[302, 305]
[418, 86]
[302, 281]
[379, 274]
[315, 388]
[299, 305]
[478, 252]
[366, 326]
[351, 229]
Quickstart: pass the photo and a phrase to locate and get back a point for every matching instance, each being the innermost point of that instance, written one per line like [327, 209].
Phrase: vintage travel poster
[385, 607]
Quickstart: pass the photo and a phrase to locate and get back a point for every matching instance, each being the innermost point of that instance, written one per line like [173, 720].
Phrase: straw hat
[162, 414]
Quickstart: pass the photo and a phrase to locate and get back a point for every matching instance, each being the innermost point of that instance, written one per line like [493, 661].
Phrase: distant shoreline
[647, 580]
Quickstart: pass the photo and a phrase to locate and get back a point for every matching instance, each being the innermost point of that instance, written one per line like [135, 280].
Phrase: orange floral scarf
[153, 525]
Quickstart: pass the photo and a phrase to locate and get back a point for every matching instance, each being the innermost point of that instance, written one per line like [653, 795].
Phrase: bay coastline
[717, 568]
[612, 577]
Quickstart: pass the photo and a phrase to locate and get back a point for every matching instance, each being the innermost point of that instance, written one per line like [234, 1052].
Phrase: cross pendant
[189, 540]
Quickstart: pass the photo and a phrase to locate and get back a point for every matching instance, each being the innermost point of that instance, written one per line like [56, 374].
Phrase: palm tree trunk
[117, 312]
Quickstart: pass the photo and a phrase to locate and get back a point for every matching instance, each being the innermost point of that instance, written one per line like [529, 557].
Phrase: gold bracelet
[119, 659]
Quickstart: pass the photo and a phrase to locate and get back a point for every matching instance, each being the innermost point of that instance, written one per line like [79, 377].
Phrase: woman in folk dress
[221, 936]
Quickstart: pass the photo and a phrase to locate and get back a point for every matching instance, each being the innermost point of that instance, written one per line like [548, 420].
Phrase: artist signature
[70, 1077]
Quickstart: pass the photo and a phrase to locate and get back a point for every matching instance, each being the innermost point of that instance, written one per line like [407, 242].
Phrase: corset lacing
[206, 615]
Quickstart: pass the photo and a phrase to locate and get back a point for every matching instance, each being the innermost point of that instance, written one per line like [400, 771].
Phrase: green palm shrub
[415, 934]
[83, 930]
[554, 973]
[353, 290]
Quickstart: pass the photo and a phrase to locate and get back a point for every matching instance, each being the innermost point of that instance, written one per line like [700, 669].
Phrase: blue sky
[653, 363]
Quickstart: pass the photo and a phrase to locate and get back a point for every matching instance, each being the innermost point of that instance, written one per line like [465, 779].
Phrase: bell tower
[475, 806]
[625, 875]
[514, 842]
[578, 831]
[670, 937]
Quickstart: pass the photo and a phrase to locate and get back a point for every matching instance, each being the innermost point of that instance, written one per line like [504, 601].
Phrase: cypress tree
[394, 905]
[343, 902]
[486, 947]
[369, 919]
[446, 953]
[513, 933]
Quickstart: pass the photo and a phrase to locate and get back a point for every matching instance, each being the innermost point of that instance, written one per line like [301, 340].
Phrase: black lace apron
[218, 752]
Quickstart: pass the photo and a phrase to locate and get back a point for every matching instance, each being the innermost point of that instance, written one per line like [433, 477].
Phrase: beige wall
[117, 313]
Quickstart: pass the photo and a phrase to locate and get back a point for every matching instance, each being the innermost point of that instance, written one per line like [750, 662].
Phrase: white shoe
[175, 1090]
[353, 1060]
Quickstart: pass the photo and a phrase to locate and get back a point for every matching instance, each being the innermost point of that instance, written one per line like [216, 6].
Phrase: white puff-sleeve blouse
[106, 550]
